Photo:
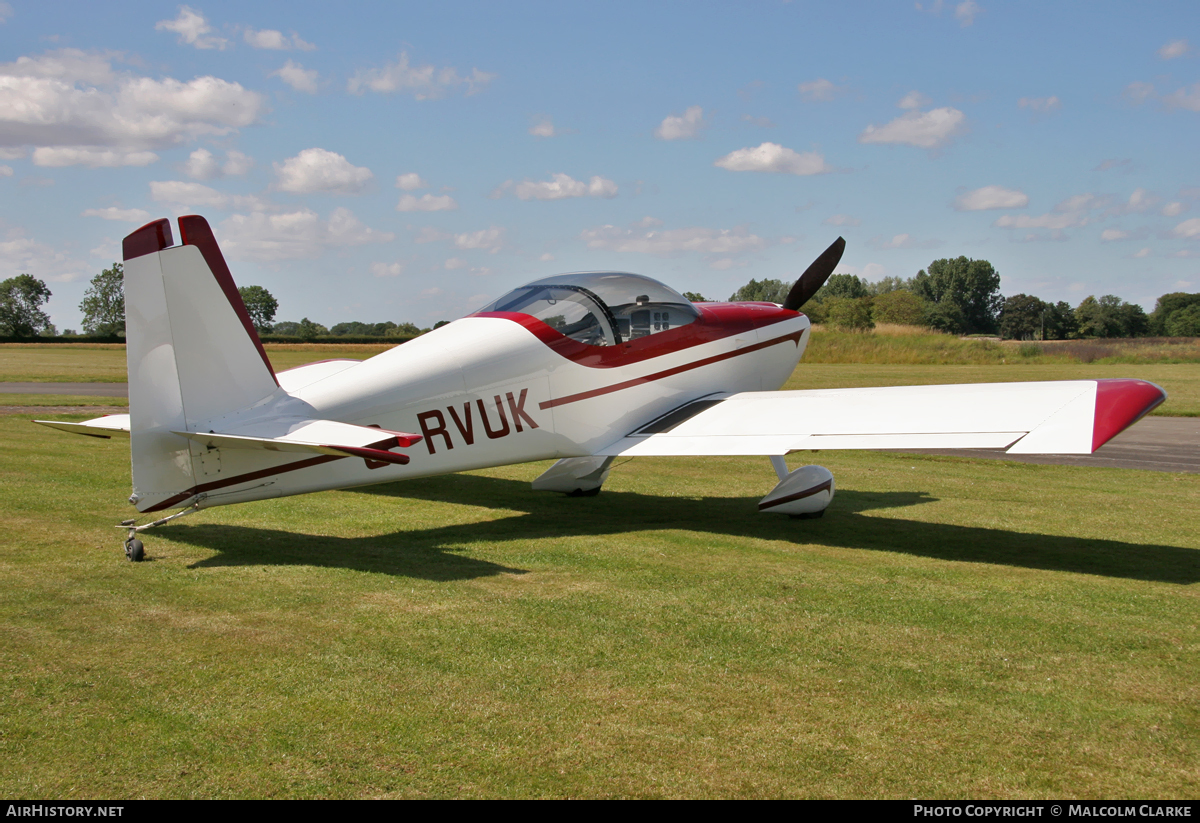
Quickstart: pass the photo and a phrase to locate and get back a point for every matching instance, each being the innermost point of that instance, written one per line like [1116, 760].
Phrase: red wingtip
[1121, 402]
[152, 237]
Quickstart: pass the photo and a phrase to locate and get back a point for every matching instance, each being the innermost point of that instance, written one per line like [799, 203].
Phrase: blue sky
[410, 162]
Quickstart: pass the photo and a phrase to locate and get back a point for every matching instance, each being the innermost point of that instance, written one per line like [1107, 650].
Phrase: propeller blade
[815, 276]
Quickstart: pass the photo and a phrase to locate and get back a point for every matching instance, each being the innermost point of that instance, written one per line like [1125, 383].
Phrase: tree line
[962, 296]
[103, 308]
[959, 296]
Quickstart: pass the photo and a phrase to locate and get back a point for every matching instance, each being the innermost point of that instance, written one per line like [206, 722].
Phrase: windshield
[600, 308]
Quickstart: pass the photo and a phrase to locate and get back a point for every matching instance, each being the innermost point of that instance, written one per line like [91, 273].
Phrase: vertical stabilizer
[192, 352]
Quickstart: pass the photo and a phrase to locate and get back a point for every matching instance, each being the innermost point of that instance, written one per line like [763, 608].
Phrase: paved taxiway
[1164, 444]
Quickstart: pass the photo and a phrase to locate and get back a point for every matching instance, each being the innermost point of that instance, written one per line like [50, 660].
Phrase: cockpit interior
[600, 308]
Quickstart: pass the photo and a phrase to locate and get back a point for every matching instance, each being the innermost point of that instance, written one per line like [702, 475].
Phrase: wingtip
[1121, 402]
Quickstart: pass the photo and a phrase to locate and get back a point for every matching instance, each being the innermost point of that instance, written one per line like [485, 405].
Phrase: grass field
[950, 628]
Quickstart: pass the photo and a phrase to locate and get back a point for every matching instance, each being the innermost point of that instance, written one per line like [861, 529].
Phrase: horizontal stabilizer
[1065, 417]
[319, 436]
[112, 425]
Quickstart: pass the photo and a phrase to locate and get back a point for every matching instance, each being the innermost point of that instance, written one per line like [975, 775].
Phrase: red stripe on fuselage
[637, 381]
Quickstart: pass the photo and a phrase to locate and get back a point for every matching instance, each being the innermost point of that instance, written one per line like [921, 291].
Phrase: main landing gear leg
[135, 550]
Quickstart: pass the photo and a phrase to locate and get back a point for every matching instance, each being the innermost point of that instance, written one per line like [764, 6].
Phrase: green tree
[972, 286]
[1110, 316]
[261, 307]
[842, 285]
[769, 291]
[1167, 306]
[849, 313]
[103, 303]
[696, 297]
[1060, 321]
[899, 306]
[887, 285]
[309, 330]
[947, 317]
[21, 300]
[406, 330]
[1184, 322]
[1022, 317]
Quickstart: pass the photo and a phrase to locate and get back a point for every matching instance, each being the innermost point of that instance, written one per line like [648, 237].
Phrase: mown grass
[951, 628]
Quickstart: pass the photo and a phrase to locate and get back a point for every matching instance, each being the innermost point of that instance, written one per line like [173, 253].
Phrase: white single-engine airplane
[579, 367]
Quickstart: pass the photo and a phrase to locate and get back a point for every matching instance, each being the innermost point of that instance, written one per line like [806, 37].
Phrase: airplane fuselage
[497, 388]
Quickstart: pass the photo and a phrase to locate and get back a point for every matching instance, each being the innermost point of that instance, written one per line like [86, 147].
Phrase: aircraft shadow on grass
[430, 553]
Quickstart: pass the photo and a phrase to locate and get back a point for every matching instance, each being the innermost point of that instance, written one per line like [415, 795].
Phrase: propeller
[815, 276]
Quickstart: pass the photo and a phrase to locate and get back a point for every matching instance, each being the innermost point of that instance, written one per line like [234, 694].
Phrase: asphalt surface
[1164, 444]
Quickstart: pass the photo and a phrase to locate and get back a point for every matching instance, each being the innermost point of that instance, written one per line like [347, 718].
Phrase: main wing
[1064, 417]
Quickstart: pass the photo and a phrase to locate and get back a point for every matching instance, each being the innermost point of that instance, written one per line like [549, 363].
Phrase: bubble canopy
[600, 308]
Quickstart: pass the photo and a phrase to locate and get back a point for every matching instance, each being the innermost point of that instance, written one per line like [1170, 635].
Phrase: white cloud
[489, 240]
[6, 11]
[681, 127]
[426, 202]
[1109, 235]
[1044, 105]
[1185, 98]
[561, 186]
[320, 170]
[1138, 92]
[991, 197]
[422, 82]
[819, 90]
[648, 222]
[1113, 163]
[22, 254]
[1044, 221]
[295, 235]
[95, 158]
[913, 100]
[236, 164]
[13, 153]
[546, 257]
[1081, 202]
[1174, 209]
[966, 11]
[113, 213]
[1176, 48]
[1143, 252]
[6, 171]
[202, 164]
[841, 220]
[772, 157]
[455, 263]
[1140, 201]
[1188, 229]
[71, 99]
[544, 127]
[410, 181]
[387, 269]
[275, 40]
[674, 241]
[196, 195]
[192, 29]
[926, 130]
[298, 77]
